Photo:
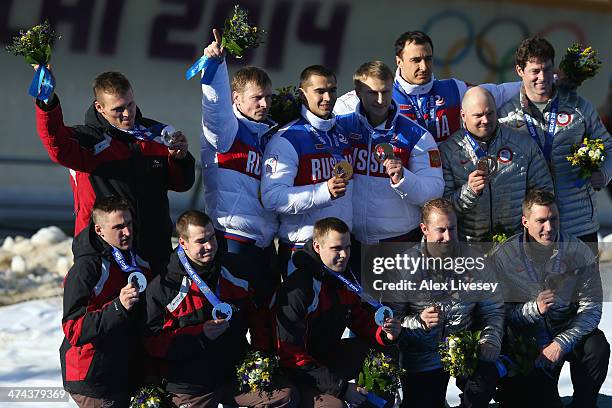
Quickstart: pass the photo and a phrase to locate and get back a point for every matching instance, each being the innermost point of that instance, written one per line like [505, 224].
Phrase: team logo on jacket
[564, 119]
[355, 136]
[504, 155]
[434, 158]
[270, 164]
[342, 138]
[440, 100]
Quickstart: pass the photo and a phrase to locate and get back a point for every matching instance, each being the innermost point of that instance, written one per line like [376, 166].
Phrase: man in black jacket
[118, 152]
[313, 308]
[101, 355]
[200, 348]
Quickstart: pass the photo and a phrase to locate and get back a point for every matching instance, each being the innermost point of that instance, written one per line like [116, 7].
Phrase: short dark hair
[247, 75]
[191, 217]
[315, 70]
[538, 197]
[372, 69]
[111, 82]
[416, 36]
[324, 225]
[440, 204]
[107, 205]
[534, 48]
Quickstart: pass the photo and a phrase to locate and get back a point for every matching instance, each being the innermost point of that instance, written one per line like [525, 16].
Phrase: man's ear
[524, 221]
[423, 228]
[181, 241]
[519, 71]
[317, 247]
[235, 96]
[98, 230]
[98, 106]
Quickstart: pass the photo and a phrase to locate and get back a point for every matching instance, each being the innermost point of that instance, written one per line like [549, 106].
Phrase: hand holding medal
[337, 185]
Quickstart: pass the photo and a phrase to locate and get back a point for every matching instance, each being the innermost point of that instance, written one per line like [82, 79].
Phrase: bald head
[479, 113]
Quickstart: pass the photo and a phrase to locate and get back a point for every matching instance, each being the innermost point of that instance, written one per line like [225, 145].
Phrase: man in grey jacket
[556, 119]
[488, 169]
[553, 293]
[429, 315]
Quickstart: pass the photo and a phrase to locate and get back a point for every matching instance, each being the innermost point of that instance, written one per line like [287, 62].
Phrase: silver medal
[383, 313]
[167, 135]
[138, 280]
[222, 311]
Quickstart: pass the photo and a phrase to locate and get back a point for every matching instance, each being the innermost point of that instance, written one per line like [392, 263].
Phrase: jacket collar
[323, 125]
[530, 107]
[384, 127]
[258, 128]
[411, 89]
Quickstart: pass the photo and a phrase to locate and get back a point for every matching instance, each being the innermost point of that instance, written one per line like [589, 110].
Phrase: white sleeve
[219, 124]
[277, 190]
[423, 179]
[461, 87]
[503, 92]
[347, 103]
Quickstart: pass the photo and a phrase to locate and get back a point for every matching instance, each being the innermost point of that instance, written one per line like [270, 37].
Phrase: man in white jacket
[235, 128]
[300, 180]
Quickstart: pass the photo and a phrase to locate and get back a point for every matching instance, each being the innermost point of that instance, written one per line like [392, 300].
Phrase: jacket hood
[306, 258]
[88, 243]
[94, 119]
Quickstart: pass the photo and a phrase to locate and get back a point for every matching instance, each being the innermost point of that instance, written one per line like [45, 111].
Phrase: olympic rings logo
[486, 52]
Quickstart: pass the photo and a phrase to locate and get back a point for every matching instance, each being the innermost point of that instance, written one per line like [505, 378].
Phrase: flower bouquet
[151, 397]
[459, 353]
[256, 371]
[238, 37]
[285, 105]
[35, 46]
[380, 376]
[520, 355]
[579, 64]
[588, 155]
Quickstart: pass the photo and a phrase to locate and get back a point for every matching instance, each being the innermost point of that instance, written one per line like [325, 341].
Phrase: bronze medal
[343, 169]
[383, 151]
[487, 164]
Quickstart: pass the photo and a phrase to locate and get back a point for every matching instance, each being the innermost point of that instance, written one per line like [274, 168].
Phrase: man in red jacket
[118, 152]
[101, 354]
[199, 346]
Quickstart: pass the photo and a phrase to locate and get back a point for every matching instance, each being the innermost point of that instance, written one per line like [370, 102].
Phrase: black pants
[588, 368]
[428, 389]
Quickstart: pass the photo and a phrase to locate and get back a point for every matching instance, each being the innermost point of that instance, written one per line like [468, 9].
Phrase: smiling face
[478, 113]
[537, 78]
[116, 229]
[319, 94]
[416, 63]
[254, 101]
[542, 223]
[118, 109]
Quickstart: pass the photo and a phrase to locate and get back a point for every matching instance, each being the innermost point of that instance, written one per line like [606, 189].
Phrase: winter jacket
[231, 149]
[382, 209]
[104, 160]
[461, 309]
[101, 354]
[313, 308]
[576, 311]
[576, 119]
[176, 312]
[520, 167]
[298, 161]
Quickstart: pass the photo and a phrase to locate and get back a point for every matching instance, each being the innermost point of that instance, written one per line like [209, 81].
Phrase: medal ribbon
[208, 65]
[42, 84]
[123, 263]
[428, 105]
[476, 148]
[335, 152]
[355, 287]
[549, 134]
[210, 296]
[529, 264]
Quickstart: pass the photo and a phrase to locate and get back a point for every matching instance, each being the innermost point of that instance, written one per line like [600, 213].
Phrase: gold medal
[343, 169]
[383, 151]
